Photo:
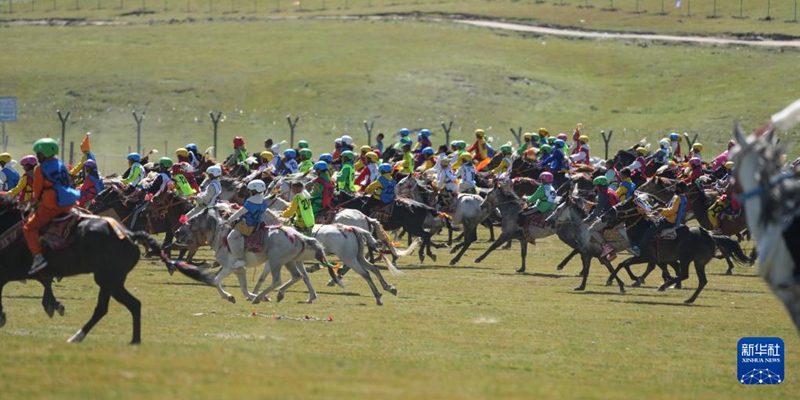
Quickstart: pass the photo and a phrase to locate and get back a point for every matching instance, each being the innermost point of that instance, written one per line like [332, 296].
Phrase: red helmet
[29, 161]
[562, 136]
[238, 141]
[546, 177]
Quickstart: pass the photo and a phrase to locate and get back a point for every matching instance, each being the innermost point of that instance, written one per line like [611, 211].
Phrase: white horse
[766, 192]
[280, 246]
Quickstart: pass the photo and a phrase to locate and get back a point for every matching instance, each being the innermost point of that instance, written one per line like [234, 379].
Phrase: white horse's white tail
[787, 118]
[364, 236]
[377, 229]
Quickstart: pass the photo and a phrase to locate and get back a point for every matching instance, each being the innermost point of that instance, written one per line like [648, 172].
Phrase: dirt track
[635, 36]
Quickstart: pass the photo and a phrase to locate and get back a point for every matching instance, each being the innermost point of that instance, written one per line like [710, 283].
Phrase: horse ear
[737, 132]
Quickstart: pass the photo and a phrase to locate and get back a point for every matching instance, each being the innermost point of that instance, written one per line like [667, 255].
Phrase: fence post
[215, 121]
[517, 135]
[71, 153]
[690, 141]
[368, 127]
[292, 125]
[447, 129]
[138, 119]
[606, 140]
[63, 120]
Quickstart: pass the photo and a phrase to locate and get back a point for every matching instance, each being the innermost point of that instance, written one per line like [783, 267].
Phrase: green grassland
[336, 74]
[471, 331]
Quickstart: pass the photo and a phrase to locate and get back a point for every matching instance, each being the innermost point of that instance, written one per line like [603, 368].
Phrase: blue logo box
[761, 361]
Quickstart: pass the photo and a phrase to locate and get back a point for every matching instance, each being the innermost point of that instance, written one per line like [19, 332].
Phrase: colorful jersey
[92, 185]
[302, 211]
[626, 189]
[12, 177]
[24, 189]
[675, 209]
[305, 166]
[322, 193]
[504, 165]
[478, 149]
[346, 177]
[254, 211]
[133, 175]
[382, 189]
[51, 187]
[544, 198]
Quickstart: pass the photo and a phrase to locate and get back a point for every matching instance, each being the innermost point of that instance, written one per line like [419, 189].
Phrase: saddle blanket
[57, 234]
[255, 241]
[382, 212]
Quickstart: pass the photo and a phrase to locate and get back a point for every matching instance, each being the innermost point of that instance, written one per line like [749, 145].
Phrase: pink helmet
[29, 161]
[695, 162]
[546, 177]
[562, 136]
[185, 167]
[238, 141]
[90, 164]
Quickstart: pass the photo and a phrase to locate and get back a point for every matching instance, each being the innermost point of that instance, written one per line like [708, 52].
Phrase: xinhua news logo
[761, 361]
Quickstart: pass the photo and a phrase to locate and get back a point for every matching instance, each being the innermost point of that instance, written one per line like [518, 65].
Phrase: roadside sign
[8, 109]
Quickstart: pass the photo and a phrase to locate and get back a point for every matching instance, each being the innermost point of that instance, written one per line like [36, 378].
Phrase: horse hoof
[579, 288]
[50, 311]
[453, 250]
[521, 270]
[559, 267]
[61, 310]
[77, 338]
[662, 288]
[477, 260]
[279, 297]
[609, 283]
[432, 256]
[636, 284]
[453, 262]
[2, 320]
[393, 291]
[421, 258]
[688, 301]
[728, 272]
[232, 299]
[621, 290]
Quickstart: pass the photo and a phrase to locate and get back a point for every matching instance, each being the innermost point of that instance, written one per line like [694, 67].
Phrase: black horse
[98, 246]
[406, 214]
[691, 245]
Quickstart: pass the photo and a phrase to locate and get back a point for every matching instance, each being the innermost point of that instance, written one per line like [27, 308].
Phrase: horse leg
[566, 259]
[508, 244]
[427, 238]
[730, 264]
[370, 267]
[100, 310]
[500, 240]
[275, 268]
[524, 253]
[2, 313]
[701, 278]
[587, 261]
[312, 294]
[295, 277]
[241, 274]
[133, 305]
[683, 273]
[468, 240]
[167, 241]
[222, 274]
[49, 302]
[611, 271]
[356, 266]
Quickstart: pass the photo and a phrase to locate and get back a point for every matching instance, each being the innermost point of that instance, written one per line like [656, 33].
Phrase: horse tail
[363, 236]
[731, 248]
[182, 267]
[378, 231]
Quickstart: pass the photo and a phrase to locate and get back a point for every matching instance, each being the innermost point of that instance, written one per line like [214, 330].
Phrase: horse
[406, 214]
[98, 246]
[769, 197]
[691, 245]
[284, 246]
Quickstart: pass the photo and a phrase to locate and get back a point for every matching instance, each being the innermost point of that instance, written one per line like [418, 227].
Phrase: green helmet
[546, 148]
[305, 152]
[46, 147]
[348, 155]
[302, 144]
[505, 148]
[165, 162]
[462, 145]
[551, 140]
[600, 181]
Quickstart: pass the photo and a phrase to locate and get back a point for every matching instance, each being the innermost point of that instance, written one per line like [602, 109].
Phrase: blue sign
[8, 109]
[761, 361]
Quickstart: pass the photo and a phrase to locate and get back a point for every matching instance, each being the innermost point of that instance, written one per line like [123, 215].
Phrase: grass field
[468, 331]
[337, 74]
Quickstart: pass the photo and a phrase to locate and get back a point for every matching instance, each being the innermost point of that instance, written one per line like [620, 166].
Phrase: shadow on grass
[191, 284]
[336, 293]
[534, 274]
[438, 266]
[736, 275]
[588, 292]
[662, 303]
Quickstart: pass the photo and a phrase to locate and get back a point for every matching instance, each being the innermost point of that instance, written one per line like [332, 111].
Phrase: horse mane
[775, 201]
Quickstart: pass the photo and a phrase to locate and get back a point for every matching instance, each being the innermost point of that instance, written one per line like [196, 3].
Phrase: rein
[760, 190]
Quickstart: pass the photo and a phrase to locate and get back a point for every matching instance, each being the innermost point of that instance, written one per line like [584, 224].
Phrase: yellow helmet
[5, 157]
[372, 156]
[641, 150]
[366, 148]
[527, 135]
[544, 132]
[697, 147]
[479, 133]
[584, 139]
[181, 152]
[466, 157]
[728, 165]
[267, 155]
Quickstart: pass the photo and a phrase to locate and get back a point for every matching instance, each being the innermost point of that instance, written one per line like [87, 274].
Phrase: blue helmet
[674, 136]
[385, 168]
[327, 157]
[290, 153]
[425, 132]
[191, 147]
[320, 166]
[559, 143]
[427, 151]
[403, 132]
[135, 157]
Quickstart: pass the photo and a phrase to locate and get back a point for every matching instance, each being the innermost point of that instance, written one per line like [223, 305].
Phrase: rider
[606, 198]
[555, 162]
[672, 216]
[194, 155]
[361, 160]
[134, 174]
[382, 190]
[724, 157]
[328, 159]
[239, 151]
[428, 159]
[543, 135]
[9, 177]
[322, 192]
[156, 187]
[696, 149]
[246, 220]
[302, 144]
[577, 142]
[626, 187]
[526, 143]
[612, 175]
[408, 160]
[661, 156]
[446, 185]
[639, 165]
[300, 209]
[423, 140]
[92, 183]
[346, 175]
[403, 132]
[543, 199]
[505, 163]
[182, 185]
[53, 195]
[208, 197]
[580, 154]
[77, 170]
[467, 175]
[675, 146]
[347, 143]
[478, 149]
[462, 149]
[289, 164]
[369, 173]
[696, 170]
[724, 201]
[24, 189]
[183, 155]
[305, 160]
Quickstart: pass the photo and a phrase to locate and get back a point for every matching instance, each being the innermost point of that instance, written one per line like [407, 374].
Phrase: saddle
[382, 212]
[326, 217]
[669, 233]
[535, 218]
[255, 241]
[616, 237]
[56, 234]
